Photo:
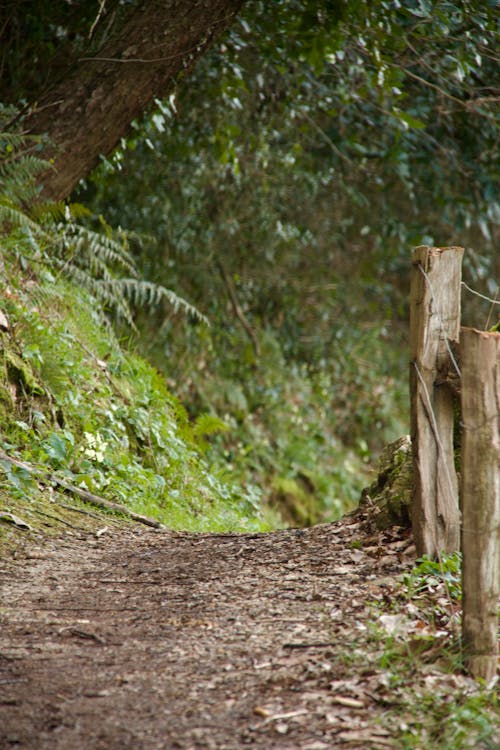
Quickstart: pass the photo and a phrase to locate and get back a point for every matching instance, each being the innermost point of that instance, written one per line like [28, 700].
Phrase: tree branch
[237, 308]
[88, 497]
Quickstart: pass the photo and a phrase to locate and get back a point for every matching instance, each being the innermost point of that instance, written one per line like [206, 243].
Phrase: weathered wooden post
[480, 482]
[434, 323]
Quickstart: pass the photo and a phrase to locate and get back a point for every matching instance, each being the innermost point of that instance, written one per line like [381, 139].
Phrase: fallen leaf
[393, 623]
[357, 555]
[281, 728]
[11, 518]
[261, 711]
[4, 322]
[343, 569]
[369, 738]
[343, 700]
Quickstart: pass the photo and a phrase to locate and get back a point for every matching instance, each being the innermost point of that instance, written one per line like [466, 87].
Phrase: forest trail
[135, 639]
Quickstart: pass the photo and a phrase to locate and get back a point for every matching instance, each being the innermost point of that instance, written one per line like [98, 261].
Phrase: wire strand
[478, 294]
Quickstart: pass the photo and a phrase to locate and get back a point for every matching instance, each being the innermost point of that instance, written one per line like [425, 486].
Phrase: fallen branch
[88, 497]
[308, 645]
[79, 510]
[55, 518]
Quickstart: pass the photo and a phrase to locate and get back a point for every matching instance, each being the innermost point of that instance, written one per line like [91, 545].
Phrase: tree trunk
[91, 109]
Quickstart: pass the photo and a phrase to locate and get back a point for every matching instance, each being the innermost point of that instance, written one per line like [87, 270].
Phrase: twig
[237, 308]
[140, 59]
[102, 6]
[308, 645]
[55, 518]
[326, 138]
[79, 510]
[88, 497]
[100, 502]
[431, 85]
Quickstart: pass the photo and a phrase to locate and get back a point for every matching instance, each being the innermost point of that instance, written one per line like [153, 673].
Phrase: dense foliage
[281, 191]
[74, 403]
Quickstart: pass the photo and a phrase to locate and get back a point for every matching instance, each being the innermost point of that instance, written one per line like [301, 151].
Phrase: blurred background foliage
[279, 191]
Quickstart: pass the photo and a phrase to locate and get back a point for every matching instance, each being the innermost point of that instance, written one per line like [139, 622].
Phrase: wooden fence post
[480, 481]
[434, 322]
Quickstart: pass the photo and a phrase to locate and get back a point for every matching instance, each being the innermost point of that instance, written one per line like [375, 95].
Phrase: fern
[146, 293]
[100, 262]
[208, 424]
[16, 217]
[87, 246]
[11, 142]
[105, 292]
[16, 177]
[46, 212]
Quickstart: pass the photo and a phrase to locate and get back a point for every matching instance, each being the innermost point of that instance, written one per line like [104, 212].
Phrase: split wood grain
[480, 483]
[434, 327]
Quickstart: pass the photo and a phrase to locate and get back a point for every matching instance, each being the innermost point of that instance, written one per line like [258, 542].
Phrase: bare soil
[136, 639]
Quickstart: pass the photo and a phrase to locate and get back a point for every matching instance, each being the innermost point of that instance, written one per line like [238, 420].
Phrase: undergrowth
[75, 403]
[279, 436]
[306, 434]
[415, 639]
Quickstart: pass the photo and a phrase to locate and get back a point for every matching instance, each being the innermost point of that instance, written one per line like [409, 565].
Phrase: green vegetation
[447, 723]
[212, 330]
[280, 190]
[76, 404]
[73, 402]
[275, 193]
[415, 641]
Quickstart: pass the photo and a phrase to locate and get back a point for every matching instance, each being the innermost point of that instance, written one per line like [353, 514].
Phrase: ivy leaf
[56, 448]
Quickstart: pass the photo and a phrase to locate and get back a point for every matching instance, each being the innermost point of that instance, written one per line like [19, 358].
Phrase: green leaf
[56, 448]
[409, 120]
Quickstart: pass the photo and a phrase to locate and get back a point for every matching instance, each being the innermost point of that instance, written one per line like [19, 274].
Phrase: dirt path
[140, 639]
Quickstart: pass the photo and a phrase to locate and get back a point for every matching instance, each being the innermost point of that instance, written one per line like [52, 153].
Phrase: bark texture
[434, 323]
[91, 109]
[480, 358]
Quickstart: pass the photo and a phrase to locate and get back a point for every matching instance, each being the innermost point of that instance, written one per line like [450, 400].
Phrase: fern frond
[49, 211]
[78, 211]
[18, 168]
[93, 260]
[143, 293]
[106, 292]
[91, 245]
[208, 424]
[10, 214]
[94, 266]
[10, 142]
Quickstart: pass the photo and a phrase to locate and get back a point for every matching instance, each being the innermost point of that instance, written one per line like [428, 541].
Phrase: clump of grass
[415, 645]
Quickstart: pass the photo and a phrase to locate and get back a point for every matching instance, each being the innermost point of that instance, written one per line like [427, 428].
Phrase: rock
[15, 520]
[391, 493]
[4, 322]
